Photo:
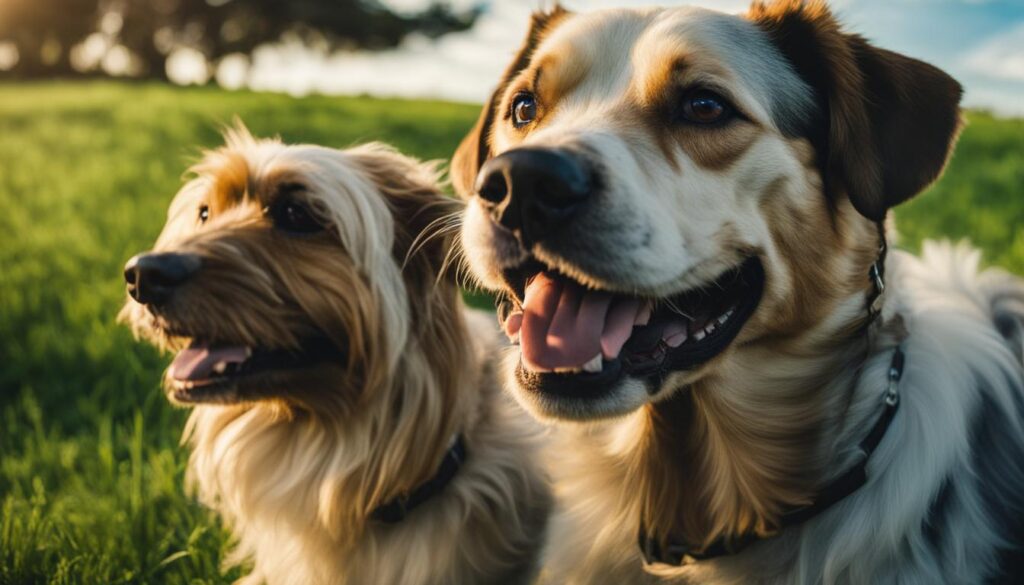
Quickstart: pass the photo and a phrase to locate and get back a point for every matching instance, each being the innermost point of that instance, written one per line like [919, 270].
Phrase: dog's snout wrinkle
[151, 278]
[532, 191]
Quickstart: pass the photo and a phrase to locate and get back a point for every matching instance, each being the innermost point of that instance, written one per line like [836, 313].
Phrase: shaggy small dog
[344, 422]
[684, 212]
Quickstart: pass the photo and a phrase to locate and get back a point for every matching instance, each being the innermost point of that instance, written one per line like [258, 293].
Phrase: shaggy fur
[296, 462]
[833, 132]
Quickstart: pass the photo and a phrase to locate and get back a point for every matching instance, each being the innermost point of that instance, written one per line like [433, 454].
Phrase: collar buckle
[877, 275]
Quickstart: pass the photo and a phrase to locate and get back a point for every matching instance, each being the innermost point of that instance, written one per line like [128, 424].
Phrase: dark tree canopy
[46, 32]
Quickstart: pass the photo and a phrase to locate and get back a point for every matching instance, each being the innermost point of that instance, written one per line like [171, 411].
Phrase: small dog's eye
[291, 216]
[204, 213]
[524, 109]
[706, 107]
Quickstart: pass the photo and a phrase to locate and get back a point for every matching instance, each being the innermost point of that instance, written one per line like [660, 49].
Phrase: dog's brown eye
[706, 107]
[524, 109]
[291, 216]
[204, 213]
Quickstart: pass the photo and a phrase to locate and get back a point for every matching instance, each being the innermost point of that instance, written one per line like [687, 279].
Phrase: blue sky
[981, 42]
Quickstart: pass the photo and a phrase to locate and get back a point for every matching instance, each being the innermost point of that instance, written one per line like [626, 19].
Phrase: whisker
[441, 227]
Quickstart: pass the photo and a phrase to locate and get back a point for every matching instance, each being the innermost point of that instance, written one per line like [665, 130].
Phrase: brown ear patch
[475, 148]
[888, 121]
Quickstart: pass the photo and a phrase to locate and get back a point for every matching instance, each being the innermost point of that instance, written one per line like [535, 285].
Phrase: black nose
[531, 191]
[152, 278]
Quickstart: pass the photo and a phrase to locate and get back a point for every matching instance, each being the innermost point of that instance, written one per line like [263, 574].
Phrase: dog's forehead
[610, 50]
[255, 172]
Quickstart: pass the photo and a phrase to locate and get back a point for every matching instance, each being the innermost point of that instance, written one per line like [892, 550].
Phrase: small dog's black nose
[533, 190]
[152, 278]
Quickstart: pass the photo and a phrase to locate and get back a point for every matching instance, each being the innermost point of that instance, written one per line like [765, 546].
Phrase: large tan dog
[344, 422]
[684, 212]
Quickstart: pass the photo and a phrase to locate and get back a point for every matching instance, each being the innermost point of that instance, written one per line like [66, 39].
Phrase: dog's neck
[728, 455]
[340, 466]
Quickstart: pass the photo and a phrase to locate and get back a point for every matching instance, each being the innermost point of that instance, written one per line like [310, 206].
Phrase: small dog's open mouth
[576, 340]
[207, 372]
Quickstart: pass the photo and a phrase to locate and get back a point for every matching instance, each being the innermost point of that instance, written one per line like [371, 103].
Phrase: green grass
[90, 470]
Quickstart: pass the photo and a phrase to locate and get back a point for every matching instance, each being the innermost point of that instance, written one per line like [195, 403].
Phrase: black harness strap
[397, 509]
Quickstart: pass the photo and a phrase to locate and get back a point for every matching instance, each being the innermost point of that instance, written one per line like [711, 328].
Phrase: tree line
[46, 33]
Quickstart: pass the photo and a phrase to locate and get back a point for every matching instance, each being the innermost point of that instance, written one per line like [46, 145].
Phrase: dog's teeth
[699, 334]
[723, 318]
[248, 352]
[710, 328]
[595, 365]
[220, 367]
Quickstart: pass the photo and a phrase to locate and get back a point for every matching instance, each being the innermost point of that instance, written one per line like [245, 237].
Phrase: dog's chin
[677, 337]
[224, 374]
[583, 397]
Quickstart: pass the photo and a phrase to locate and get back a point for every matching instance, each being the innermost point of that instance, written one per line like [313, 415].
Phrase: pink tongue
[565, 325]
[197, 362]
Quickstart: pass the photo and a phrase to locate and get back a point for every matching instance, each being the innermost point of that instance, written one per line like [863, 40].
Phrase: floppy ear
[422, 212]
[889, 121]
[475, 149]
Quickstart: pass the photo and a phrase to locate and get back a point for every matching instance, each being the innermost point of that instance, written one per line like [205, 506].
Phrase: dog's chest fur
[943, 494]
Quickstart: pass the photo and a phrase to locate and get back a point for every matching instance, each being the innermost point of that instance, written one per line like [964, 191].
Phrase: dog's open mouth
[578, 340]
[206, 372]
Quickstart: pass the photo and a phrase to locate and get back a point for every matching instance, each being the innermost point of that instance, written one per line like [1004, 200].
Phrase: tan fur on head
[298, 464]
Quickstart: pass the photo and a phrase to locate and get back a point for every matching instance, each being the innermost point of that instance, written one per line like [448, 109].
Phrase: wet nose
[152, 278]
[532, 191]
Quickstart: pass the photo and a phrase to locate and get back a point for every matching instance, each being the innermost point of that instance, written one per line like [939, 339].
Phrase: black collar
[397, 509]
[678, 553]
[681, 553]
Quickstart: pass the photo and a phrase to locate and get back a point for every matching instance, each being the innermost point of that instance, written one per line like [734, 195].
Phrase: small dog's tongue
[564, 325]
[197, 362]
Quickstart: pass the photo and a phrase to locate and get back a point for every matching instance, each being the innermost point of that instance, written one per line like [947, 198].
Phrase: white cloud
[1003, 102]
[1000, 57]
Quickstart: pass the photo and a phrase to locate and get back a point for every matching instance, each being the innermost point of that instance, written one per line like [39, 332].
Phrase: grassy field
[90, 470]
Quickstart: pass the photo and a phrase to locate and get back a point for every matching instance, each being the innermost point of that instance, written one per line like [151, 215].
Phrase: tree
[153, 29]
[44, 32]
